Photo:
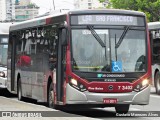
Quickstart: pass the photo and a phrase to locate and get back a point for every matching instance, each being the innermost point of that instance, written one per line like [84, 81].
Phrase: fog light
[145, 82]
[74, 81]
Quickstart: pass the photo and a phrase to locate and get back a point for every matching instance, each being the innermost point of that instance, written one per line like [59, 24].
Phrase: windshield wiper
[122, 36]
[94, 33]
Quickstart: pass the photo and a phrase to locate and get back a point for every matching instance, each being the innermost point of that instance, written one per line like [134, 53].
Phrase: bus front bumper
[3, 82]
[73, 96]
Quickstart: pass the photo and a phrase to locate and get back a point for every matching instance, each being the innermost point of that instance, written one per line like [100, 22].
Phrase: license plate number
[110, 100]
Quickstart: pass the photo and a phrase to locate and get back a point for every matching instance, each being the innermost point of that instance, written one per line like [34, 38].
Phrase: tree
[101, 1]
[150, 7]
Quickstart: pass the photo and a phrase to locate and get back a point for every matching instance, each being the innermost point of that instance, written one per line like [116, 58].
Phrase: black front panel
[109, 77]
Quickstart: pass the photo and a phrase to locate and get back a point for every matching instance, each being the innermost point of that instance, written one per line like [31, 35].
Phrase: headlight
[142, 85]
[74, 81]
[2, 74]
[77, 85]
[145, 82]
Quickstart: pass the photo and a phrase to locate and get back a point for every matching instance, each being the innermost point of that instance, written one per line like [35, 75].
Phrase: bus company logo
[110, 87]
[99, 75]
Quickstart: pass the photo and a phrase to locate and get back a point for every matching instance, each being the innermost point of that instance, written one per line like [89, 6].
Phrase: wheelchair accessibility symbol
[116, 66]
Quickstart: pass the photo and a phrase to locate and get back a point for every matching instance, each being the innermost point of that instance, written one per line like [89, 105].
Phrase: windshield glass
[3, 50]
[88, 55]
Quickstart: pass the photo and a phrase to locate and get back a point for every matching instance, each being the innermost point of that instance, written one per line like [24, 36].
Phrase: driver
[124, 57]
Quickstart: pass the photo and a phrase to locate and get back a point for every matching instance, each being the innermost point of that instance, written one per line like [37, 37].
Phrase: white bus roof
[32, 22]
[153, 25]
[4, 28]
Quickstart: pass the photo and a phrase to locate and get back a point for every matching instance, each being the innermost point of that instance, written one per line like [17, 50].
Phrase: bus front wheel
[50, 96]
[122, 108]
[157, 82]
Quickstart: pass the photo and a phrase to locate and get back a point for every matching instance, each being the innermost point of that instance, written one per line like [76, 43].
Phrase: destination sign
[107, 20]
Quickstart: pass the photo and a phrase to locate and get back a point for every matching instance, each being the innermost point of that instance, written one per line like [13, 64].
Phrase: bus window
[155, 40]
[52, 45]
[128, 49]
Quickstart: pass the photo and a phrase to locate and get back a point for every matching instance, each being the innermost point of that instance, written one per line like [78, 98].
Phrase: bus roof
[108, 11]
[153, 25]
[33, 22]
[43, 20]
[4, 28]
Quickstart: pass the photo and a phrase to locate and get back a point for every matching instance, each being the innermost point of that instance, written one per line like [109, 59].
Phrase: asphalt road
[9, 102]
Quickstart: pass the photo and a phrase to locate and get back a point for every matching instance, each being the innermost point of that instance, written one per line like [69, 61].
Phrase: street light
[53, 5]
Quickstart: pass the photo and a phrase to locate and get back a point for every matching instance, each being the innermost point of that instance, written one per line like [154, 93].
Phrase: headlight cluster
[2, 74]
[141, 85]
[74, 83]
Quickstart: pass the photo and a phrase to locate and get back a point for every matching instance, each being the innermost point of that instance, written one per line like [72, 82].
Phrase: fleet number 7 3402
[125, 87]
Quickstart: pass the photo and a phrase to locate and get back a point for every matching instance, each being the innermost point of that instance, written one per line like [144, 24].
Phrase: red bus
[154, 31]
[86, 57]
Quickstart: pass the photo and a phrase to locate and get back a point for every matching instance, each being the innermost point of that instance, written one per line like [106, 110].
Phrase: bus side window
[157, 35]
[33, 43]
[155, 44]
[19, 42]
[39, 38]
[53, 42]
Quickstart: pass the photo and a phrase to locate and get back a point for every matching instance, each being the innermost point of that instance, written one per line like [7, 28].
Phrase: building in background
[25, 10]
[10, 10]
[24, 2]
[7, 10]
[2, 10]
[90, 4]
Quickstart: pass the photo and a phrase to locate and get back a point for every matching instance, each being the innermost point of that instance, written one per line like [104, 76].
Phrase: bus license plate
[110, 100]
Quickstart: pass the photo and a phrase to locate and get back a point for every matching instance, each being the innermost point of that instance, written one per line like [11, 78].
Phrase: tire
[157, 82]
[50, 95]
[19, 90]
[122, 108]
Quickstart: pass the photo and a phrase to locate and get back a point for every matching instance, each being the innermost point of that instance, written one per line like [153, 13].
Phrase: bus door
[25, 66]
[60, 64]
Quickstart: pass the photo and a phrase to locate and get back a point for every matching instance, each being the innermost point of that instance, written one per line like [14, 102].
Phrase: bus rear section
[91, 57]
[4, 35]
[154, 32]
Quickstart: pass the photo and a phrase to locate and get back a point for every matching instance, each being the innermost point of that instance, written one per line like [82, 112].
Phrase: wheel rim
[51, 97]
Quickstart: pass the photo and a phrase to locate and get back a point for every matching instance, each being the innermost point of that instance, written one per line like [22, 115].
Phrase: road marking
[134, 109]
[130, 109]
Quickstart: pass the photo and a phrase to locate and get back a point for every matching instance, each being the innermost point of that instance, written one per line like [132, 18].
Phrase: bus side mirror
[64, 36]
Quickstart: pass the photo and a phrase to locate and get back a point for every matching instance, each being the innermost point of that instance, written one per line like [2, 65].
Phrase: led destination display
[107, 20]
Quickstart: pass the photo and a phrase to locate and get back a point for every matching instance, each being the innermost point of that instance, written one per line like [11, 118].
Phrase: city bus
[154, 32]
[93, 58]
[4, 35]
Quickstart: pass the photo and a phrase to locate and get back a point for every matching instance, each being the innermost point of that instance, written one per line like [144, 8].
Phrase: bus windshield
[3, 49]
[88, 54]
